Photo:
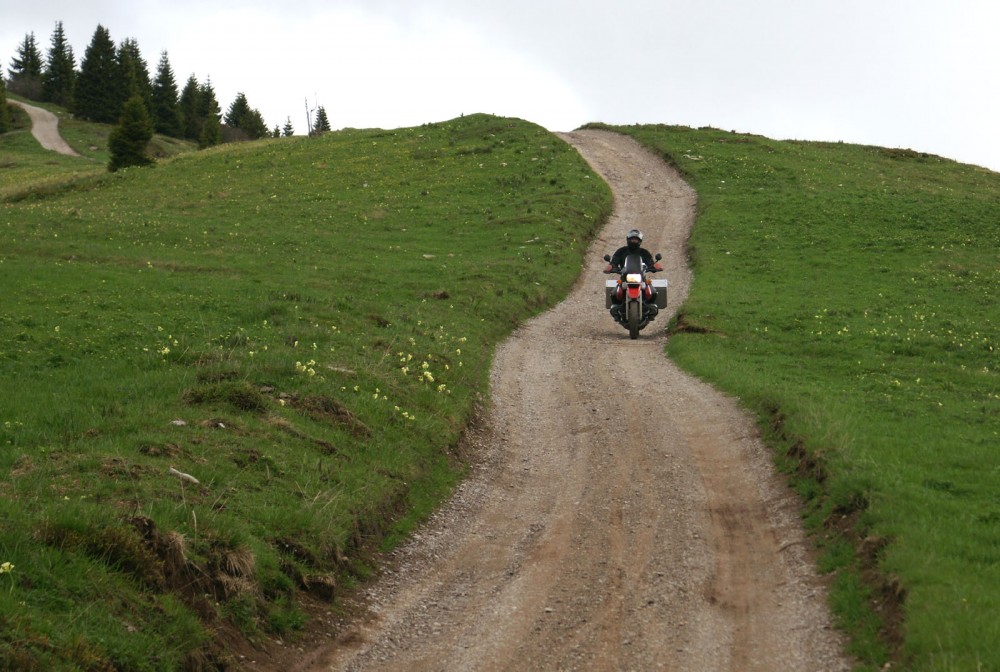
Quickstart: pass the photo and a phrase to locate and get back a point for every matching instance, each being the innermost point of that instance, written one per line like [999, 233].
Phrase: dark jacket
[618, 258]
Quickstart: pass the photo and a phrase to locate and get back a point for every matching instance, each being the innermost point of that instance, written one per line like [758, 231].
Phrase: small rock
[184, 477]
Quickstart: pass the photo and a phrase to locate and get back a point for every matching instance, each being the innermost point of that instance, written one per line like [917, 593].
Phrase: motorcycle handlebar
[614, 269]
[655, 268]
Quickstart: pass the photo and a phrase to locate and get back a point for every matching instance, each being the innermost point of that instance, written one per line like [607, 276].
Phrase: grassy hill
[231, 376]
[304, 327]
[30, 171]
[850, 296]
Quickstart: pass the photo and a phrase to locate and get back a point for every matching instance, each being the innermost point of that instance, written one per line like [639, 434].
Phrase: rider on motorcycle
[633, 244]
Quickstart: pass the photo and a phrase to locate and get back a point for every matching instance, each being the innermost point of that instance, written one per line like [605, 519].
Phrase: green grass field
[304, 326]
[849, 296]
[30, 172]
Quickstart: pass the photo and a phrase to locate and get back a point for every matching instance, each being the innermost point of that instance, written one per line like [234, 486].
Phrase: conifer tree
[26, 69]
[128, 140]
[97, 94]
[211, 132]
[288, 130]
[238, 110]
[322, 124]
[188, 106]
[4, 112]
[253, 125]
[210, 116]
[60, 71]
[133, 74]
[165, 108]
[248, 120]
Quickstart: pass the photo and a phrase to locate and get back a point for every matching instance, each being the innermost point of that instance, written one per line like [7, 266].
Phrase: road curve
[45, 128]
[621, 515]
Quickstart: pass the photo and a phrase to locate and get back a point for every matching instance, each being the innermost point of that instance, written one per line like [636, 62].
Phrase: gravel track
[45, 128]
[620, 514]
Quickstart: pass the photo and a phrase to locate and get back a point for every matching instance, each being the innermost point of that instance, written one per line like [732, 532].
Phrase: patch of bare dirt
[621, 515]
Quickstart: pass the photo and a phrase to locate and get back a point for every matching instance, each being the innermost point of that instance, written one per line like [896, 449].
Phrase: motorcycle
[634, 298]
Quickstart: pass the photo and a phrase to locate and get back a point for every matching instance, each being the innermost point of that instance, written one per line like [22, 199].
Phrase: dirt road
[621, 515]
[45, 128]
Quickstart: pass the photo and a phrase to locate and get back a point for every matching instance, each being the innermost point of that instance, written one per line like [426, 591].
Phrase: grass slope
[848, 295]
[29, 171]
[228, 375]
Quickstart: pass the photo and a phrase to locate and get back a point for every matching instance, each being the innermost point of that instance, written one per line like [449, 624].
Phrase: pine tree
[188, 105]
[97, 95]
[60, 72]
[247, 120]
[133, 74]
[210, 116]
[238, 110]
[288, 130]
[165, 107]
[322, 124]
[26, 69]
[128, 140]
[254, 125]
[4, 112]
[211, 132]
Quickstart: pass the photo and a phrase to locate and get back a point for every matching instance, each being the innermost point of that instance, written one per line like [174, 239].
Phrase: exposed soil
[620, 515]
[45, 128]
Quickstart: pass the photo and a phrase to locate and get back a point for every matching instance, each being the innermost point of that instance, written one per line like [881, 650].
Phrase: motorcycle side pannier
[660, 285]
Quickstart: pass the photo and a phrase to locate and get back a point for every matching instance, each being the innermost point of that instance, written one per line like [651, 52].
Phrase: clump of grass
[239, 395]
[327, 409]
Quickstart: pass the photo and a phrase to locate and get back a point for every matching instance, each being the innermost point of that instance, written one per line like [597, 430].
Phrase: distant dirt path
[621, 515]
[45, 128]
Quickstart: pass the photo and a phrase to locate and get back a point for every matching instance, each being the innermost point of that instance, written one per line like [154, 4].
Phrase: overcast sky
[918, 74]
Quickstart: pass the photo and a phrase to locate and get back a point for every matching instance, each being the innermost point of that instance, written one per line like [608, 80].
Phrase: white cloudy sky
[921, 74]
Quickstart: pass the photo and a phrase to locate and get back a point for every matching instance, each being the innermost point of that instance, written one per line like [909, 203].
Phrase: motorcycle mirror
[607, 257]
[659, 256]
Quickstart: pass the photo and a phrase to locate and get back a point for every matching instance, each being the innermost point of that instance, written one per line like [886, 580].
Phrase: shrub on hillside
[127, 142]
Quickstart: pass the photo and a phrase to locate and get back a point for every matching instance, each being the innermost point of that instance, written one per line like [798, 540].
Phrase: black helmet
[634, 239]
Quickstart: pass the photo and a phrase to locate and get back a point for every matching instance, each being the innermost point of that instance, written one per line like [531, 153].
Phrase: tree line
[112, 85]
[110, 74]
